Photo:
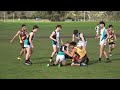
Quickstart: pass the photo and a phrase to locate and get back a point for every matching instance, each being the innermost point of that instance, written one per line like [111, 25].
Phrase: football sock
[87, 60]
[107, 58]
[99, 59]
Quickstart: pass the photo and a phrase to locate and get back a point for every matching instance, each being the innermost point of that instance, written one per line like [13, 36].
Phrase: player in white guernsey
[103, 37]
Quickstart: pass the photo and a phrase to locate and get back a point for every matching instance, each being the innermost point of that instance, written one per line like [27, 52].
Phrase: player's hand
[32, 46]
[77, 37]
[55, 40]
[97, 36]
[11, 41]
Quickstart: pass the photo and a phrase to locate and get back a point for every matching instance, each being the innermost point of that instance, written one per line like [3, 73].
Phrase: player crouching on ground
[60, 58]
[79, 55]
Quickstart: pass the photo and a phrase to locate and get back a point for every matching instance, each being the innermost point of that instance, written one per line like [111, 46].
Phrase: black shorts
[111, 43]
[67, 57]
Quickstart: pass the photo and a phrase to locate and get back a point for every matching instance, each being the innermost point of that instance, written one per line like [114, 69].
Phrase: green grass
[11, 68]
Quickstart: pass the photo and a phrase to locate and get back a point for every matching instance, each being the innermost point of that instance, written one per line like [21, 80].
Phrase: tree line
[63, 15]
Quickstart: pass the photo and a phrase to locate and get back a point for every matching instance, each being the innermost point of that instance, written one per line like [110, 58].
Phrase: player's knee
[55, 51]
[113, 47]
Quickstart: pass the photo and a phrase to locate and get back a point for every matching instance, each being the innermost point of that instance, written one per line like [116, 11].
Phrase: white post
[13, 17]
[4, 17]
[84, 15]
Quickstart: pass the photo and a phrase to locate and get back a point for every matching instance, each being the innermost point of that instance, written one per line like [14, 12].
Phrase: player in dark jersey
[28, 44]
[61, 56]
[22, 36]
[111, 40]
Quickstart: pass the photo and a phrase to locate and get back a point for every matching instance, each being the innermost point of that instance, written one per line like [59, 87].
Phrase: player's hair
[35, 27]
[73, 43]
[75, 32]
[110, 26]
[23, 25]
[58, 26]
[102, 22]
[68, 42]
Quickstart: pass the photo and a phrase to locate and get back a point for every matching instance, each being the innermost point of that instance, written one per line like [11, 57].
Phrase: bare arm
[26, 33]
[115, 37]
[107, 35]
[51, 36]
[81, 36]
[15, 36]
[61, 41]
[73, 37]
[72, 53]
[66, 52]
[83, 40]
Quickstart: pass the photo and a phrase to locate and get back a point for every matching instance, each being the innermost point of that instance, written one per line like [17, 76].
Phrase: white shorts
[27, 46]
[60, 57]
[80, 43]
[103, 42]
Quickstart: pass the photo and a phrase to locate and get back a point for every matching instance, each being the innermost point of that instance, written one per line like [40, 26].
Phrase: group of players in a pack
[74, 50]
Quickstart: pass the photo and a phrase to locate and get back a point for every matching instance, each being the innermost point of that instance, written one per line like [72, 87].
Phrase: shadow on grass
[115, 59]
[39, 60]
[92, 62]
[116, 54]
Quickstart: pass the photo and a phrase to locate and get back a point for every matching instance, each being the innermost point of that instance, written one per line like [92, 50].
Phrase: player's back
[80, 51]
[62, 48]
[22, 36]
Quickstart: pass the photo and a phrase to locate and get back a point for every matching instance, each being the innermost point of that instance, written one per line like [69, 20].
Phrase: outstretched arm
[15, 36]
[70, 54]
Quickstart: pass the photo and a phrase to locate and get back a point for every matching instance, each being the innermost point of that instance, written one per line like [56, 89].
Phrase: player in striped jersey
[61, 56]
[22, 36]
[55, 41]
[111, 39]
[28, 45]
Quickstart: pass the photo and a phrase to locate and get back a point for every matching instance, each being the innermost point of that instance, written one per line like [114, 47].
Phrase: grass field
[11, 68]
